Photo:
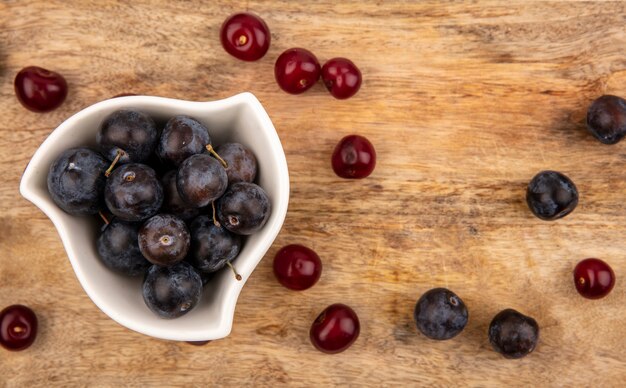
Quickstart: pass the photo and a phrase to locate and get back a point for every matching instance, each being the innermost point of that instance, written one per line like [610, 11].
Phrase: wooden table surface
[464, 103]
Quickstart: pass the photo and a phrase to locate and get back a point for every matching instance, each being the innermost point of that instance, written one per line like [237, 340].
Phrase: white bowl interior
[240, 118]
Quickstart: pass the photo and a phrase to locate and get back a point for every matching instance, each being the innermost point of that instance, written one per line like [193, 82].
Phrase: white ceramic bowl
[240, 118]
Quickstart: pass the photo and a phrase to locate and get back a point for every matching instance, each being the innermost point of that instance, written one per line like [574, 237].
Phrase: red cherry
[341, 77]
[18, 327]
[296, 70]
[354, 157]
[335, 329]
[297, 267]
[245, 36]
[40, 90]
[593, 278]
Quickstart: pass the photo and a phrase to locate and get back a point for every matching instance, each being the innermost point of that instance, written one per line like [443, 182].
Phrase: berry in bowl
[153, 218]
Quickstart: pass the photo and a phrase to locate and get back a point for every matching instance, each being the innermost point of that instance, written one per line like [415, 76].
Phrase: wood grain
[464, 102]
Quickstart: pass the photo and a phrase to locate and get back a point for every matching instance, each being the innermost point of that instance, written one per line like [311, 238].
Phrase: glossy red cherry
[296, 70]
[40, 90]
[335, 329]
[18, 327]
[245, 36]
[297, 267]
[593, 278]
[354, 157]
[341, 77]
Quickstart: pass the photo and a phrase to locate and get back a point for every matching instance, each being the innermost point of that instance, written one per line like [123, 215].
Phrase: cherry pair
[247, 37]
[337, 327]
[297, 70]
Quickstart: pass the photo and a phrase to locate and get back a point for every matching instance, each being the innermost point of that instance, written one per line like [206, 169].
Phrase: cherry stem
[237, 276]
[104, 218]
[113, 163]
[215, 221]
[209, 148]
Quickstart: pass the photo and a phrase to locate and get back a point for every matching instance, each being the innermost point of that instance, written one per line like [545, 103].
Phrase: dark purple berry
[198, 343]
[244, 208]
[182, 137]
[133, 192]
[512, 334]
[551, 195]
[118, 248]
[201, 180]
[211, 246]
[128, 133]
[241, 163]
[172, 202]
[173, 291]
[164, 239]
[440, 314]
[76, 181]
[606, 119]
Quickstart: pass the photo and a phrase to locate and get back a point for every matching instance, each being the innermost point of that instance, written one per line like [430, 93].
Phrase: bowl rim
[279, 212]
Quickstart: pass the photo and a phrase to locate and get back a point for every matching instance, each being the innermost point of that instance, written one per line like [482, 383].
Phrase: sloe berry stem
[104, 218]
[118, 155]
[209, 148]
[215, 221]
[237, 276]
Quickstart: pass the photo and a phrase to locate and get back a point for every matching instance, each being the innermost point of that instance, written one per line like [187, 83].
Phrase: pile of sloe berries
[176, 209]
